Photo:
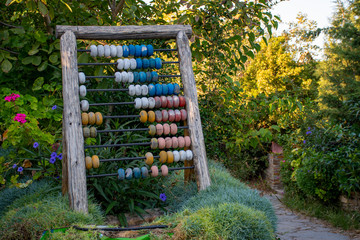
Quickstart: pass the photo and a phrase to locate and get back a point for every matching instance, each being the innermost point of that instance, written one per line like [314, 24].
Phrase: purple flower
[309, 128]
[20, 169]
[14, 166]
[53, 155]
[308, 132]
[36, 144]
[54, 107]
[304, 141]
[59, 156]
[52, 160]
[163, 197]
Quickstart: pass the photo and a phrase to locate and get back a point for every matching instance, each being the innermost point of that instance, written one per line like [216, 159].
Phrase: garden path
[295, 226]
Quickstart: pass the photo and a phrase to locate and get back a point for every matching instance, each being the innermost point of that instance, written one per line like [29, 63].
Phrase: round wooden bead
[137, 90]
[144, 172]
[152, 130]
[120, 64]
[154, 143]
[154, 171]
[165, 115]
[189, 155]
[181, 142]
[136, 77]
[171, 114]
[152, 90]
[84, 105]
[157, 102]
[145, 63]
[131, 50]
[95, 161]
[113, 51]
[121, 174]
[93, 51]
[161, 143]
[128, 173]
[137, 173]
[164, 170]
[182, 155]
[144, 102]
[100, 50]
[187, 141]
[82, 78]
[144, 90]
[107, 51]
[132, 64]
[170, 88]
[176, 89]
[163, 157]
[91, 118]
[158, 63]
[151, 116]
[175, 142]
[165, 89]
[132, 90]
[158, 116]
[88, 162]
[143, 116]
[173, 129]
[130, 77]
[142, 77]
[118, 78]
[154, 75]
[148, 76]
[84, 119]
[170, 101]
[158, 89]
[182, 101]
[98, 118]
[143, 50]
[93, 132]
[166, 129]
[126, 64]
[170, 157]
[125, 51]
[149, 158]
[168, 142]
[86, 132]
[176, 101]
[177, 115]
[124, 76]
[119, 51]
[137, 51]
[163, 101]
[150, 50]
[159, 129]
[82, 91]
[176, 156]
[183, 114]
[151, 102]
[138, 103]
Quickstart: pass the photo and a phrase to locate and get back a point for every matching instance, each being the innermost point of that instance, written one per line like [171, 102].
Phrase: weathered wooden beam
[74, 175]
[192, 107]
[124, 32]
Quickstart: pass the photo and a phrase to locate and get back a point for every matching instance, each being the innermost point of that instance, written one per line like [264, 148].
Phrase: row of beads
[91, 118]
[128, 77]
[169, 156]
[138, 63]
[160, 102]
[121, 51]
[89, 132]
[136, 173]
[169, 142]
[92, 162]
[163, 116]
[157, 89]
[164, 129]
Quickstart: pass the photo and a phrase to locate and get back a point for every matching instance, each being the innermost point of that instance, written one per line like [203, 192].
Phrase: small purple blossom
[52, 160]
[163, 197]
[308, 132]
[59, 156]
[309, 128]
[304, 141]
[14, 166]
[54, 107]
[36, 144]
[53, 155]
[20, 169]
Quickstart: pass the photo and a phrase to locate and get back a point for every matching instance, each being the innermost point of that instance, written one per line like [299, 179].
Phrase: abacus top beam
[155, 50]
[114, 63]
[124, 32]
[160, 76]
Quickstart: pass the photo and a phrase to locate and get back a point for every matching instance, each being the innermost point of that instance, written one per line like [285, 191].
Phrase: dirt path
[295, 226]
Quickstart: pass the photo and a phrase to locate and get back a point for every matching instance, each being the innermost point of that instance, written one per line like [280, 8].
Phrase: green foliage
[73, 234]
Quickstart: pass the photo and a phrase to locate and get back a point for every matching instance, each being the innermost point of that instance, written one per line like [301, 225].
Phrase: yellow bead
[91, 118]
[84, 119]
[163, 157]
[152, 130]
[143, 116]
[95, 161]
[151, 116]
[170, 157]
[149, 158]
[88, 163]
[98, 118]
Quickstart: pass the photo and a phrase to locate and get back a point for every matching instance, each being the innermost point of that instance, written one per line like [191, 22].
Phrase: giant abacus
[76, 114]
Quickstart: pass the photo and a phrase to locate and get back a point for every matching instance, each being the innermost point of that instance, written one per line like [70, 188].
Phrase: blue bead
[154, 76]
[138, 63]
[125, 51]
[158, 63]
[176, 89]
[128, 174]
[131, 50]
[144, 172]
[148, 76]
[165, 89]
[158, 90]
[145, 63]
[136, 77]
[137, 173]
[143, 51]
[152, 63]
[121, 174]
[152, 90]
[142, 77]
[137, 51]
[170, 89]
[150, 50]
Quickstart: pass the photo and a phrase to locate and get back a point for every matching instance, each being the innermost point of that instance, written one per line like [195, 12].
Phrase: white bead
[107, 51]
[82, 78]
[131, 77]
[151, 102]
[132, 90]
[84, 105]
[124, 76]
[126, 63]
[144, 102]
[144, 90]
[100, 50]
[119, 51]
[182, 155]
[137, 103]
[118, 77]
[132, 63]
[176, 156]
[93, 51]
[113, 51]
[120, 65]
[189, 155]
[82, 90]
[138, 90]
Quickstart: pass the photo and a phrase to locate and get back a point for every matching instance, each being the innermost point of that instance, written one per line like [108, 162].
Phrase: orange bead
[98, 118]
[95, 161]
[84, 119]
[91, 118]
[88, 162]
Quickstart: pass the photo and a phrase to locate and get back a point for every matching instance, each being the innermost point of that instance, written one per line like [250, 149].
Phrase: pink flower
[12, 97]
[20, 118]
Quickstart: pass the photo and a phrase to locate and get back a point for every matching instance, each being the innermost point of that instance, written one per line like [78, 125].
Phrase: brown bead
[93, 132]
[163, 157]
[88, 162]
[91, 118]
[98, 118]
[84, 119]
[86, 132]
[95, 161]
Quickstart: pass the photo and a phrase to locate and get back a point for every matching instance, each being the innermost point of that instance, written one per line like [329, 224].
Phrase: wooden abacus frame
[74, 173]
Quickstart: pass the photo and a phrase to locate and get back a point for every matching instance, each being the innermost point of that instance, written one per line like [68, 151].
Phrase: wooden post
[74, 176]
[192, 108]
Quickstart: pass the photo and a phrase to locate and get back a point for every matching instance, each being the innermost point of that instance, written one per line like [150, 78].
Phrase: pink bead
[183, 114]
[175, 101]
[157, 102]
[181, 141]
[164, 170]
[187, 141]
[159, 129]
[166, 129]
[171, 115]
[165, 115]
[163, 101]
[161, 142]
[154, 171]
[177, 115]
[158, 116]
[168, 142]
[175, 142]
[173, 129]
[182, 101]
[170, 101]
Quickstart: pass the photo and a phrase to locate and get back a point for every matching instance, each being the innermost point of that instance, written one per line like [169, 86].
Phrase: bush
[227, 221]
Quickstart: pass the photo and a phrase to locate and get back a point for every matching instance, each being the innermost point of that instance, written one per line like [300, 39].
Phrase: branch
[118, 9]
[7, 50]
[8, 25]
